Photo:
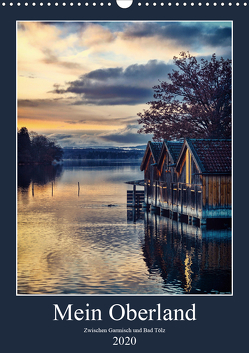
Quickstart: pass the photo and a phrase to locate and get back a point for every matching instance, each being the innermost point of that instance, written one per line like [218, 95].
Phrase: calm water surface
[72, 241]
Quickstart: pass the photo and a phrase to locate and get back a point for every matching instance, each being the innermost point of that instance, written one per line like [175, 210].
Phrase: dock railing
[135, 198]
[177, 197]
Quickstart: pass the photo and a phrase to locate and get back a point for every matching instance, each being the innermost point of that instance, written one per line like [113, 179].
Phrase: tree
[45, 150]
[195, 102]
[41, 150]
[24, 146]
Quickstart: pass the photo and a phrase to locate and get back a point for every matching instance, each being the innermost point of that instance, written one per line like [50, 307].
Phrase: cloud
[27, 103]
[220, 37]
[60, 113]
[77, 138]
[194, 35]
[60, 136]
[153, 70]
[117, 86]
[27, 76]
[100, 120]
[65, 140]
[104, 74]
[44, 44]
[124, 136]
[38, 102]
[94, 34]
[74, 122]
[112, 95]
[128, 138]
[51, 58]
[85, 138]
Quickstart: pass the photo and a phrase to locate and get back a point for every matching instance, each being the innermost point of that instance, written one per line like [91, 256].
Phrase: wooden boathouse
[190, 179]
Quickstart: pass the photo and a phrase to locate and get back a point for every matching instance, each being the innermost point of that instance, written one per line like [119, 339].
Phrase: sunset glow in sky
[83, 83]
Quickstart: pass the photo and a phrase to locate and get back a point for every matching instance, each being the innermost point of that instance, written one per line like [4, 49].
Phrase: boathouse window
[188, 167]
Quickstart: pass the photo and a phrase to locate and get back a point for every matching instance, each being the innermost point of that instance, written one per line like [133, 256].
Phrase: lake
[84, 240]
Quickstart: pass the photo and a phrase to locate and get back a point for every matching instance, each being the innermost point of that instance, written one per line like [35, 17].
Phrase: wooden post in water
[32, 188]
[134, 196]
[134, 215]
[78, 189]
[156, 194]
[52, 189]
[147, 192]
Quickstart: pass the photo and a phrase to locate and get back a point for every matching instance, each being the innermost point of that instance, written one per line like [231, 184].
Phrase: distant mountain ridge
[104, 152]
[139, 147]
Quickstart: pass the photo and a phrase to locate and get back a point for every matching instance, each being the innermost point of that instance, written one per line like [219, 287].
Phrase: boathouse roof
[155, 149]
[213, 156]
[174, 148]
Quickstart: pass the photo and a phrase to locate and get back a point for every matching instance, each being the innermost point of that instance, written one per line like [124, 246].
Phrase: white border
[121, 295]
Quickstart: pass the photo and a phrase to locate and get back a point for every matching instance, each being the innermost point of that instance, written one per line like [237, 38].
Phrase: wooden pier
[186, 202]
[135, 198]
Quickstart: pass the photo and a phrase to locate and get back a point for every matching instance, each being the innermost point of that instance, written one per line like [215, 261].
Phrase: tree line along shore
[37, 149]
[34, 149]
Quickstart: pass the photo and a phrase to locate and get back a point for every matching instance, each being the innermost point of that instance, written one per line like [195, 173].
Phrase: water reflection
[74, 243]
[188, 258]
[38, 174]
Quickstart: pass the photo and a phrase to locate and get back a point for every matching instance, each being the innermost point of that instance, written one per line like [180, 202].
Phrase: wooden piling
[78, 188]
[178, 217]
[134, 196]
[52, 189]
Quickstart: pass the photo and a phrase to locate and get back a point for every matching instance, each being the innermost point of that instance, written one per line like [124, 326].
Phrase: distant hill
[104, 153]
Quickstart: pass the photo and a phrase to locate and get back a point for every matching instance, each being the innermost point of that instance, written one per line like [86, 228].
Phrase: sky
[83, 83]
